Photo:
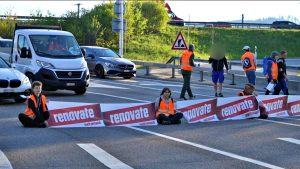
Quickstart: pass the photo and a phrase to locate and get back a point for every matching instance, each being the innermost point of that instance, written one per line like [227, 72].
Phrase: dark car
[284, 25]
[5, 43]
[105, 62]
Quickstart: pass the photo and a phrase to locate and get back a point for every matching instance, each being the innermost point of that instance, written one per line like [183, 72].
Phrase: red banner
[276, 105]
[244, 106]
[138, 114]
[294, 108]
[73, 115]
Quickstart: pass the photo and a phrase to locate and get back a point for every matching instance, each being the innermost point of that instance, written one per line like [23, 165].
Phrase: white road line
[291, 140]
[154, 88]
[4, 162]
[120, 97]
[288, 118]
[235, 156]
[284, 123]
[104, 157]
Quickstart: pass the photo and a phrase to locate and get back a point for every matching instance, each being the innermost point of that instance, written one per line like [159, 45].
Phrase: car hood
[116, 61]
[10, 73]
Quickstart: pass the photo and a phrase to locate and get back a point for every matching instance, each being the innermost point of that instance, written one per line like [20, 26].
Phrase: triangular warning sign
[179, 43]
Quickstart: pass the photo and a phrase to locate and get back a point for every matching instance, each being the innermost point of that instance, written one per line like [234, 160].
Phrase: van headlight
[25, 80]
[83, 65]
[110, 65]
[44, 64]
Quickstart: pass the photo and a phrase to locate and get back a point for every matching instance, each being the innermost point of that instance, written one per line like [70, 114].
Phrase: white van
[51, 56]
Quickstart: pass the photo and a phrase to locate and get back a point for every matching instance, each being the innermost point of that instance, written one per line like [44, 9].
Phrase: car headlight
[44, 64]
[25, 80]
[110, 65]
[83, 65]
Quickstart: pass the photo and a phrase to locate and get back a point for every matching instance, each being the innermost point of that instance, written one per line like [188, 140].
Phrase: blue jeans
[251, 76]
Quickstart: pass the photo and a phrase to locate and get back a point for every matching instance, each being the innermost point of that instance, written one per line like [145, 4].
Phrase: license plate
[126, 70]
[9, 90]
[70, 84]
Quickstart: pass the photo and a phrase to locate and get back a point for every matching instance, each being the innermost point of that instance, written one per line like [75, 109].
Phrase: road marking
[288, 118]
[4, 162]
[97, 85]
[272, 121]
[291, 140]
[120, 97]
[104, 157]
[235, 156]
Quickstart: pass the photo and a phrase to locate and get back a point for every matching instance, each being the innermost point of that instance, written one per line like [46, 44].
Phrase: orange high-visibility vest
[274, 71]
[249, 55]
[166, 109]
[29, 112]
[185, 61]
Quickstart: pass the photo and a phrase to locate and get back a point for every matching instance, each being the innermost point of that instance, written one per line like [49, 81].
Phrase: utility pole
[121, 28]
[242, 20]
[78, 9]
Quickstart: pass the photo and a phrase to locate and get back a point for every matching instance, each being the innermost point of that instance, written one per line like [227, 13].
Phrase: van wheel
[80, 91]
[127, 77]
[20, 100]
[99, 71]
[30, 77]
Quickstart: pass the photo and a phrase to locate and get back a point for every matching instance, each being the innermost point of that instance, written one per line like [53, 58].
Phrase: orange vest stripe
[249, 55]
[170, 109]
[29, 112]
[185, 61]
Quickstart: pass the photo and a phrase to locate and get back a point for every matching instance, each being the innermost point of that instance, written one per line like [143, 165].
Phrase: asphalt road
[239, 144]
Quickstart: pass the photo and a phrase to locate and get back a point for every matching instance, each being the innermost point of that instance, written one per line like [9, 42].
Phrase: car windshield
[103, 52]
[55, 46]
[3, 64]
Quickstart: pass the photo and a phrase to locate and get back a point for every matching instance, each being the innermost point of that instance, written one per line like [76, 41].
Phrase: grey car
[105, 62]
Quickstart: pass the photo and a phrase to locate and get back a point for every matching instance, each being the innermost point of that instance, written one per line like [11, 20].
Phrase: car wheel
[80, 91]
[20, 100]
[127, 77]
[99, 71]
[30, 77]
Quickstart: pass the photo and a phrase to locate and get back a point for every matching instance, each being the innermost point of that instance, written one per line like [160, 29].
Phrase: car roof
[43, 32]
[7, 40]
[92, 47]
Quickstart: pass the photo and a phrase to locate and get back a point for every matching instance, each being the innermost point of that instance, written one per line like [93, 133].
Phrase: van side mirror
[25, 53]
[83, 52]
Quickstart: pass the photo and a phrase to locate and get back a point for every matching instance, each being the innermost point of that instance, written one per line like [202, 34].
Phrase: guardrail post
[201, 75]
[173, 69]
[229, 65]
[147, 70]
[232, 80]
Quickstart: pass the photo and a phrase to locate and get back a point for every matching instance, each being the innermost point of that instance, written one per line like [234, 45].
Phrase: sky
[187, 10]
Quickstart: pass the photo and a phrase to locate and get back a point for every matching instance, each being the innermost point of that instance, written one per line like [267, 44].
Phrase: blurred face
[167, 93]
[37, 90]
[284, 56]
[276, 57]
[249, 90]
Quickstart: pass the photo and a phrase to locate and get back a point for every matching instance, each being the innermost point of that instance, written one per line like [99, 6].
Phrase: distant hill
[270, 20]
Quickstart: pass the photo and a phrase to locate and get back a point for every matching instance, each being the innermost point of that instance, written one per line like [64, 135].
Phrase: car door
[21, 64]
[89, 59]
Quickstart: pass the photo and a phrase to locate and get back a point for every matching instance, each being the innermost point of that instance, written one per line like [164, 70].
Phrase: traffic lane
[42, 148]
[140, 150]
[250, 138]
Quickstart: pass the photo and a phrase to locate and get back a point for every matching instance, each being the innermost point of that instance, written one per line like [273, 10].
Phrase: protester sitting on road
[282, 76]
[249, 65]
[36, 112]
[272, 70]
[165, 107]
[250, 90]
[217, 61]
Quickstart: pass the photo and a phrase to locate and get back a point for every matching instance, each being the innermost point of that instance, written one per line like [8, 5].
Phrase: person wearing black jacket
[218, 73]
[282, 76]
[36, 113]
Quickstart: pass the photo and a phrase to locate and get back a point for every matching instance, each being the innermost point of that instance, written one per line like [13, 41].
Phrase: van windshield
[55, 46]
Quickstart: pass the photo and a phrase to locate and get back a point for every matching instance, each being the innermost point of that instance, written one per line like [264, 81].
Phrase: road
[251, 143]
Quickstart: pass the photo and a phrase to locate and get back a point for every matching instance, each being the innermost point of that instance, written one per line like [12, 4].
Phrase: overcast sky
[195, 10]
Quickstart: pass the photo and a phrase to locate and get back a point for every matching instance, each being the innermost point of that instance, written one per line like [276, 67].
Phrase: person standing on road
[165, 107]
[249, 65]
[217, 61]
[272, 70]
[282, 76]
[186, 65]
[36, 112]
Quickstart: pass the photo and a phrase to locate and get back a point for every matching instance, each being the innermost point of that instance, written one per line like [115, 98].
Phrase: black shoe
[221, 95]
[216, 94]
[178, 122]
[263, 116]
[193, 97]
[182, 98]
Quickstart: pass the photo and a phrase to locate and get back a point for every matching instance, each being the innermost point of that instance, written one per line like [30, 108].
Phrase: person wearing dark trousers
[186, 65]
[282, 76]
[36, 113]
[218, 73]
[165, 107]
[272, 70]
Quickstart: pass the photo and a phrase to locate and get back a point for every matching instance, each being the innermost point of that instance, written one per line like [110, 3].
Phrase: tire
[80, 91]
[99, 71]
[127, 77]
[30, 77]
[20, 100]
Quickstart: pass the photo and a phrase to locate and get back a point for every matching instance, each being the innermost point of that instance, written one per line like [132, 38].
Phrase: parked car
[105, 62]
[284, 25]
[5, 43]
[13, 83]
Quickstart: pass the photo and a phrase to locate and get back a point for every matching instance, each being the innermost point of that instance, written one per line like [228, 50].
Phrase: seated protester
[36, 112]
[250, 90]
[165, 109]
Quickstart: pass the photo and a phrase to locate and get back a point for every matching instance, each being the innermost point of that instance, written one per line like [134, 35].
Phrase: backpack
[265, 62]
[246, 63]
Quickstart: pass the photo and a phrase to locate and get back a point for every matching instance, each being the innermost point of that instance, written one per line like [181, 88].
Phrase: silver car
[105, 62]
